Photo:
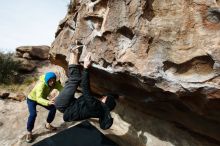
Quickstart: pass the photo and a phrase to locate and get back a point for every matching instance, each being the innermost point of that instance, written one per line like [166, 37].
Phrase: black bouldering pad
[83, 134]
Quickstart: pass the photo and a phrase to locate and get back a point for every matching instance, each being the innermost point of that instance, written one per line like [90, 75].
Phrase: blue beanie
[49, 75]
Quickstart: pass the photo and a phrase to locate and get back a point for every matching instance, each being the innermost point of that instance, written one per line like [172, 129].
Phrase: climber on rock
[38, 96]
[86, 106]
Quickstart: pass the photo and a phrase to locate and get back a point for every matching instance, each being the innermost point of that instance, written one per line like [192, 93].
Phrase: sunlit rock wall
[163, 56]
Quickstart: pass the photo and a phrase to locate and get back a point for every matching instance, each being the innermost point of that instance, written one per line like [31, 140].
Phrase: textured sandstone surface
[163, 56]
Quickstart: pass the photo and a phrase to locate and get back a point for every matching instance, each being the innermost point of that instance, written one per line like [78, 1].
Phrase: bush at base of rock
[8, 68]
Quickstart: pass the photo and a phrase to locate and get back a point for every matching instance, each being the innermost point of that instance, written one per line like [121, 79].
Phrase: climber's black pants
[66, 96]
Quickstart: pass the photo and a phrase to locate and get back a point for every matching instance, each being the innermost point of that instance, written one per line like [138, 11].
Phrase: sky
[29, 22]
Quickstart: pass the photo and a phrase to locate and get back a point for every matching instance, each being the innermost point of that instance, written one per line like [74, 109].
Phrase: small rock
[4, 94]
[18, 97]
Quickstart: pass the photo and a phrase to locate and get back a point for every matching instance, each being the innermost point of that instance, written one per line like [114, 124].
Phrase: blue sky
[29, 22]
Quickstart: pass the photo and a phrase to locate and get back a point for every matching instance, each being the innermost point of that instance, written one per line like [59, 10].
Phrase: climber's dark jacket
[86, 106]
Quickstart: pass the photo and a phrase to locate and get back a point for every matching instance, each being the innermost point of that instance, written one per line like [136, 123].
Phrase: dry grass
[24, 87]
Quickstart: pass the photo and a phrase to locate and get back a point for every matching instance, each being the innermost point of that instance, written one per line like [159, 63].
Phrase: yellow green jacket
[41, 90]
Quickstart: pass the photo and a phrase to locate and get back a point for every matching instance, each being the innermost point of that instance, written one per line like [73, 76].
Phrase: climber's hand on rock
[87, 61]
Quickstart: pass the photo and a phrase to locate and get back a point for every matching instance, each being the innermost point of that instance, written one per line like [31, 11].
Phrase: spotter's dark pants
[33, 113]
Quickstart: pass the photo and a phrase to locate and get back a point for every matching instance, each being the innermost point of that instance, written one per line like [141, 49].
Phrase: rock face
[162, 56]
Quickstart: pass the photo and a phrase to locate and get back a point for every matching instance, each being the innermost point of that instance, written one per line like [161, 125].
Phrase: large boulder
[162, 56]
[25, 65]
[31, 56]
[35, 52]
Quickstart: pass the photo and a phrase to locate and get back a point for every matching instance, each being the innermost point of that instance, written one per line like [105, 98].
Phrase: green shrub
[8, 68]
